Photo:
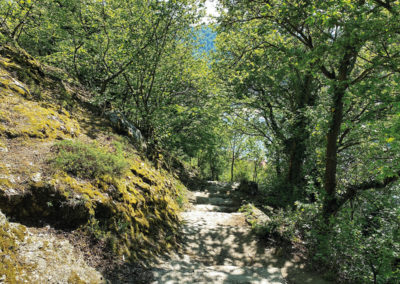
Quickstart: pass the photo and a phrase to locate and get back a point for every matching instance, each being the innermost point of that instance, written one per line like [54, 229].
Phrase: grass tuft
[88, 160]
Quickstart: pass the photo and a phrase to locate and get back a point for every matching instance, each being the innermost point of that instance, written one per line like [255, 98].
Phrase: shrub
[363, 242]
[88, 160]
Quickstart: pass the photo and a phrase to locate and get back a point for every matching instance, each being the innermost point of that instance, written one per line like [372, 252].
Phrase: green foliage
[361, 246]
[276, 193]
[243, 170]
[314, 82]
[280, 225]
[181, 198]
[138, 57]
[88, 160]
[3, 39]
[365, 238]
[318, 81]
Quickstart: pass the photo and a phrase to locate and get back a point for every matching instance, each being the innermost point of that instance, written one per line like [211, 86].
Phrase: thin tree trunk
[278, 166]
[296, 160]
[232, 164]
[330, 203]
[255, 170]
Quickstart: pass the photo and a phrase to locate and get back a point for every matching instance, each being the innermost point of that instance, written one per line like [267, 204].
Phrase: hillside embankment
[75, 195]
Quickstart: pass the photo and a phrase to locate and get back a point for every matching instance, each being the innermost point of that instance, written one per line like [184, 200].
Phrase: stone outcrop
[29, 255]
[122, 124]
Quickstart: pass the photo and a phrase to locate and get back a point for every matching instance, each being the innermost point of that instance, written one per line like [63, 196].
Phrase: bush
[363, 242]
[278, 225]
[88, 160]
[248, 187]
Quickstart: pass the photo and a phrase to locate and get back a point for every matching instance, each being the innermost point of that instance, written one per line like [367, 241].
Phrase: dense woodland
[300, 96]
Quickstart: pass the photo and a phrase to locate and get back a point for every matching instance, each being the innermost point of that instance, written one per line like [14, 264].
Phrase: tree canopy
[299, 96]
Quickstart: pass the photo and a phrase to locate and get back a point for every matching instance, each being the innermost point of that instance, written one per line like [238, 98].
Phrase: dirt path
[219, 247]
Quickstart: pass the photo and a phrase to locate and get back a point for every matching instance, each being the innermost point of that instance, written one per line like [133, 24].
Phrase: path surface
[219, 247]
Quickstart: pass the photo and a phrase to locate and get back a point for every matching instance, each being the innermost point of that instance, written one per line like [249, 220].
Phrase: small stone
[10, 178]
[3, 149]
[53, 117]
[11, 192]
[37, 177]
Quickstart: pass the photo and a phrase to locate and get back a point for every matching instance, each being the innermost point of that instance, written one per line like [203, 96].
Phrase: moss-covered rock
[17, 60]
[22, 117]
[11, 268]
[10, 85]
[136, 213]
[31, 256]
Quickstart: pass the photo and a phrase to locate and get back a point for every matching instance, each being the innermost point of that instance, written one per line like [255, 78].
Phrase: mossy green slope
[135, 210]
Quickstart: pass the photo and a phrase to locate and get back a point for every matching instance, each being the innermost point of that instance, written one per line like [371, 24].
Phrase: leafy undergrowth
[88, 160]
[62, 165]
[274, 225]
[300, 230]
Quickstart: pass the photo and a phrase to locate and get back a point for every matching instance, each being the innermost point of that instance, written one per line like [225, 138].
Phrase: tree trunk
[213, 169]
[232, 164]
[295, 175]
[278, 166]
[297, 155]
[331, 202]
[296, 151]
[255, 170]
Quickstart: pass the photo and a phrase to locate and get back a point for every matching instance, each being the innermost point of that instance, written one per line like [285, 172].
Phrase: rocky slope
[31, 255]
[130, 213]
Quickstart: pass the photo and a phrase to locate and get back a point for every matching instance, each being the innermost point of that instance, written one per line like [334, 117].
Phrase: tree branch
[327, 73]
[352, 190]
[385, 5]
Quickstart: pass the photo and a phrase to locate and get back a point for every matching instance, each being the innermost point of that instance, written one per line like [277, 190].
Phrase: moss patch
[6, 63]
[136, 215]
[23, 118]
[10, 236]
[75, 279]
[20, 117]
[6, 179]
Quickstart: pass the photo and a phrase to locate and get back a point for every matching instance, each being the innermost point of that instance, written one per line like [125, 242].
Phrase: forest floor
[219, 247]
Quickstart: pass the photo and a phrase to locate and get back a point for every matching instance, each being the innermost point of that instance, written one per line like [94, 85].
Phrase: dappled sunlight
[218, 246]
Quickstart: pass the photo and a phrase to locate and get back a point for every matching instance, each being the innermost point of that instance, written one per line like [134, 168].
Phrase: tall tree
[348, 45]
[272, 91]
